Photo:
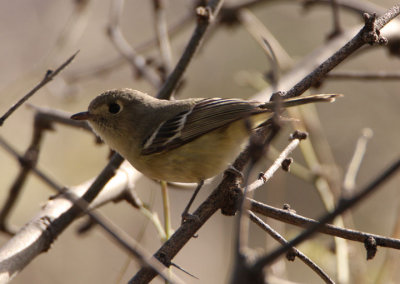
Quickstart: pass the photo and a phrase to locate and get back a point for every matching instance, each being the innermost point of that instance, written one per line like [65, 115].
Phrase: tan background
[28, 34]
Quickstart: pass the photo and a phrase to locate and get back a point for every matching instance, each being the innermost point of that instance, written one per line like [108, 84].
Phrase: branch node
[286, 164]
[25, 162]
[287, 207]
[383, 41]
[277, 96]
[291, 254]
[45, 221]
[298, 135]
[204, 13]
[371, 247]
[232, 201]
[42, 123]
[371, 34]
[49, 72]
[262, 176]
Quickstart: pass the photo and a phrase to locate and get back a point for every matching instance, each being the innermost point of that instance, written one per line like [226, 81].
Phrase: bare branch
[60, 211]
[357, 6]
[47, 78]
[108, 66]
[343, 206]
[289, 217]
[162, 34]
[337, 29]
[205, 17]
[264, 177]
[355, 163]
[369, 34]
[294, 251]
[137, 61]
[363, 75]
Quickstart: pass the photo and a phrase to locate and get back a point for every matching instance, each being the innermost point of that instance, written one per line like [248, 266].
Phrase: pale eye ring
[114, 108]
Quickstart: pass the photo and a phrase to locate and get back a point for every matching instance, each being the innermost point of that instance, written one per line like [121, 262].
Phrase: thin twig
[6, 146]
[276, 54]
[81, 204]
[48, 115]
[205, 17]
[274, 234]
[337, 29]
[357, 6]
[292, 218]
[257, 148]
[363, 75]
[28, 161]
[368, 34]
[110, 65]
[43, 120]
[275, 166]
[317, 155]
[161, 27]
[355, 163]
[343, 206]
[47, 78]
[137, 61]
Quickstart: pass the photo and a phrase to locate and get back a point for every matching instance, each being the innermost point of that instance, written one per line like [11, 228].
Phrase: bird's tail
[302, 100]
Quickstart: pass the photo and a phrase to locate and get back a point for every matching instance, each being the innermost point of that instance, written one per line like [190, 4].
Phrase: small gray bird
[181, 140]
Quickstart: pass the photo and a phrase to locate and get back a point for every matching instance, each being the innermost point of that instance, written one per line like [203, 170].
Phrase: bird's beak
[81, 116]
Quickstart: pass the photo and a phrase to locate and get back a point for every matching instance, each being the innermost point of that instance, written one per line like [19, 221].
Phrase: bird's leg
[185, 214]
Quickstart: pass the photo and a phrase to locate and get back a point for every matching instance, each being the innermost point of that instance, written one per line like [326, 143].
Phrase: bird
[186, 140]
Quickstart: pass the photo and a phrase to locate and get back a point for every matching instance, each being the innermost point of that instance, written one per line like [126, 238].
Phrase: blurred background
[41, 34]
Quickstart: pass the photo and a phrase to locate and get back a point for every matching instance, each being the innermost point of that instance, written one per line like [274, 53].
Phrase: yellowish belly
[200, 159]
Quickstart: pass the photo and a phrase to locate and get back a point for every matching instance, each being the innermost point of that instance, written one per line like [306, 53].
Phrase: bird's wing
[205, 116]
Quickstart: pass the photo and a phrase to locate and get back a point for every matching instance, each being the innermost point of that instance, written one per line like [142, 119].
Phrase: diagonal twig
[295, 251]
[39, 238]
[369, 34]
[47, 78]
[205, 17]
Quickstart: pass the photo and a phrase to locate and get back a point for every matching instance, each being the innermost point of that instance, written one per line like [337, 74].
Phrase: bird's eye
[114, 108]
